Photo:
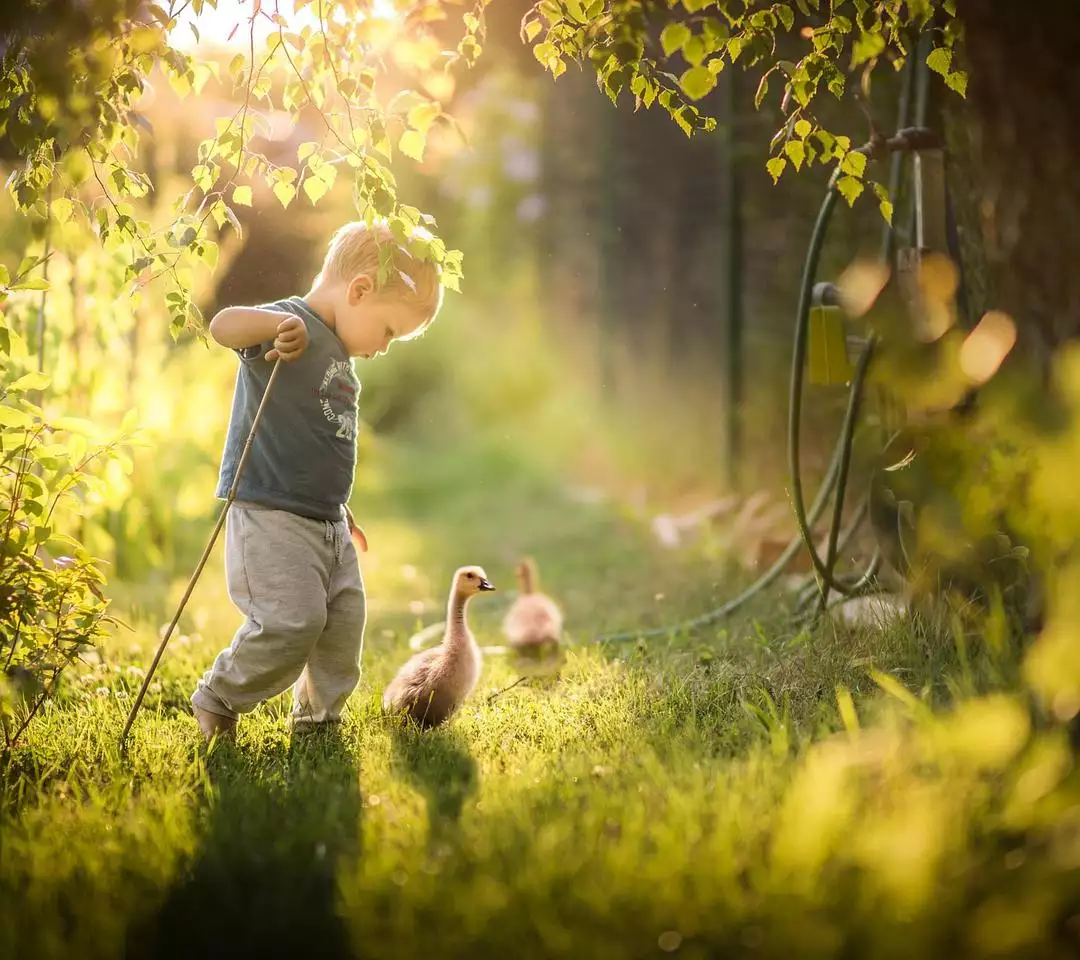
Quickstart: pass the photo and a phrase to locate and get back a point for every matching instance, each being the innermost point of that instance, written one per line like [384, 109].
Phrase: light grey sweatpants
[298, 583]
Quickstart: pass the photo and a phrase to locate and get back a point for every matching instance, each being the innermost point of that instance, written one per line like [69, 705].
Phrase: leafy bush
[51, 604]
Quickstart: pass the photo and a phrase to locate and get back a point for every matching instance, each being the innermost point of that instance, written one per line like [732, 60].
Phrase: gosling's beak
[486, 585]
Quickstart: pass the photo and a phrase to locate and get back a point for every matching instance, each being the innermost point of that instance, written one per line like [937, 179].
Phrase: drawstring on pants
[334, 533]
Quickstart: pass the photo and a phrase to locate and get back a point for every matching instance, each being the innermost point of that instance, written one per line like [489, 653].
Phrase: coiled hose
[906, 139]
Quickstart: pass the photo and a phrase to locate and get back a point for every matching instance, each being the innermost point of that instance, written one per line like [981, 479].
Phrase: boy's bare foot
[304, 727]
[212, 723]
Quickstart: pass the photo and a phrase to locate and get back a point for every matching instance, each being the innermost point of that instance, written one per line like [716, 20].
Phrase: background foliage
[572, 406]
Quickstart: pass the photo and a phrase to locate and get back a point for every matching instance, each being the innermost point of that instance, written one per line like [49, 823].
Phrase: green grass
[698, 796]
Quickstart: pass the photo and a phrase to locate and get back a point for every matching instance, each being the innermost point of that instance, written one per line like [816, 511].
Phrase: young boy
[290, 564]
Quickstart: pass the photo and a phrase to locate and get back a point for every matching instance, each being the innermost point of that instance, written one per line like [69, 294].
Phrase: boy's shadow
[264, 884]
[439, 765]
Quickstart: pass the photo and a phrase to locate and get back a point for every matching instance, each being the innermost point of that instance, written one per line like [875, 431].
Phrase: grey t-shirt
[303, 457]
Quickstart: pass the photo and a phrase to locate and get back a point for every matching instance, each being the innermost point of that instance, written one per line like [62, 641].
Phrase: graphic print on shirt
[337, 397]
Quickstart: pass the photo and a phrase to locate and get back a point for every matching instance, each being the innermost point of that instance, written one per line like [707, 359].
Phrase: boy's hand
[290, 341]
[357, 533]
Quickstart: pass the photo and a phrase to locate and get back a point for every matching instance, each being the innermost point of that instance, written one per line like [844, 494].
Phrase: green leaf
[694, 51]
[715, 31]
[532, 28]
[412, 144]
[697, 82]
[803, 128]
[957, 80]
[61, 208]
[786, 15]
[866, 47]
[78, 167]
[776, 166]
[796, 151]
[327, 173]
[183, 238]
[31, 283]
[242, 196]
[315, 188]
[31, 381]
[853, 163]
[469, 49]
[673, 36]
[885, 204]
[423, 115]
[546, 52]
[284, 192]
[939, 60]
[679, 116]
[850, 188]
[14, 417]
[76, 425]
[285, 175]
[613, 83]
[62, 540]
[203, 177]
[177, 322]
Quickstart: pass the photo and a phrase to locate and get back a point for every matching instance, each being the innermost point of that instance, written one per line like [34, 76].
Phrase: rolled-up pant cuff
[205, 700]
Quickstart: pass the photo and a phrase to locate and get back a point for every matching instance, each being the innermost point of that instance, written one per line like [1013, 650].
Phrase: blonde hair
[354, 249]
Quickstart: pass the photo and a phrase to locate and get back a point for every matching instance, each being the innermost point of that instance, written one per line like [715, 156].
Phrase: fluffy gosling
[534, 624]
[433, 684]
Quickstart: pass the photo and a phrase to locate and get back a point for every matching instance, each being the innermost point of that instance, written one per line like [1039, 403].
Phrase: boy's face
[367, 322]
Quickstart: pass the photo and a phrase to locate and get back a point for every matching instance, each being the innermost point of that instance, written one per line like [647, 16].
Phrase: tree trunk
[1024, 91]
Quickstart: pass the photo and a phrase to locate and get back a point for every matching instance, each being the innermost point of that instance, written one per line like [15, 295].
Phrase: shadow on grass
[437, 764]
[264, 886]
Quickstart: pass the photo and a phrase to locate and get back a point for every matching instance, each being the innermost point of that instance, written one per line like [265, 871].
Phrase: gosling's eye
[471, 576]
[389, 334]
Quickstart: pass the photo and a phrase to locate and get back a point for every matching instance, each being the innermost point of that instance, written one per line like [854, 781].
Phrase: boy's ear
[359, 287]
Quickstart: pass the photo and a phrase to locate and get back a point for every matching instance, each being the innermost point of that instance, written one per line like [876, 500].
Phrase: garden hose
[905, 140]
[765, 580]
[913, 85]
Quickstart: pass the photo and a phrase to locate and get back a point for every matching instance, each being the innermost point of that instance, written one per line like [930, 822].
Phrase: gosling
[432, 685]
[533, 626]
[534, 619]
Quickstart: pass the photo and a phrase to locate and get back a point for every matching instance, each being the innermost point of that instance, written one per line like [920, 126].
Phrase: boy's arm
[240, 328]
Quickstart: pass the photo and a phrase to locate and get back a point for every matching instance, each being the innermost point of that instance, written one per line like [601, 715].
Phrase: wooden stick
[205, 556]
[498, 693]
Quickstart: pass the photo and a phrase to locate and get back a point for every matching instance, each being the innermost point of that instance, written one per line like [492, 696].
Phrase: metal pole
[605, 243]
[733, 379]
[206, 553]
[888, 245]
